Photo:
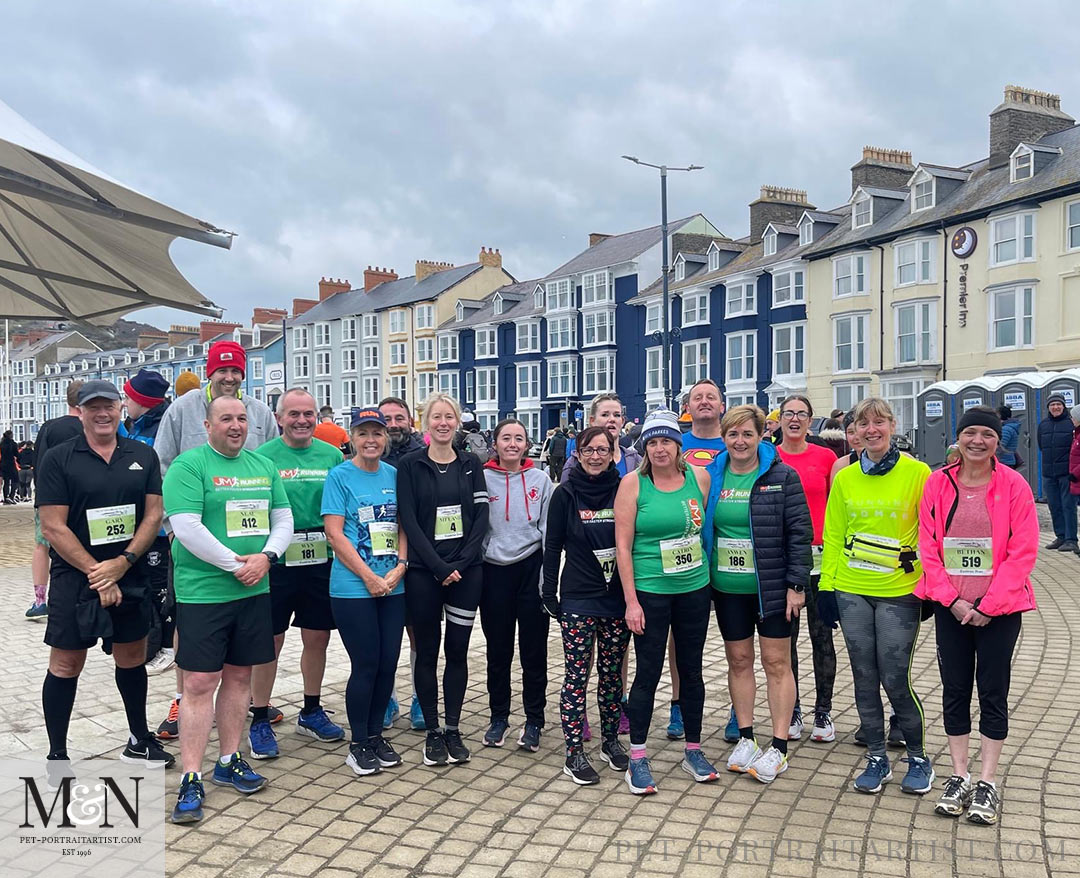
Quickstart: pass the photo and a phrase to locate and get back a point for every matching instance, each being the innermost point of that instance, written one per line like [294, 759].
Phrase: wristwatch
[131, 558]
[272, 557]
[798, 589]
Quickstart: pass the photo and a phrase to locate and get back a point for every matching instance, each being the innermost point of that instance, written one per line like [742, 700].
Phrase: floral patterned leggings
[578, 634]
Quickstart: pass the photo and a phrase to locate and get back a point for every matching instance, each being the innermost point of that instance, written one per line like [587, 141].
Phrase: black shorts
[67, 589]
[737, 616]
[159, 565]
[301, 595]
[233, 633]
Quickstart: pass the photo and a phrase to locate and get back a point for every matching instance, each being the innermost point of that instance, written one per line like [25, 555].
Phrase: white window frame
[597, 288]
[858, 271]
[598, 373]
[425, 350]
[487, 343]
[714, 258]
[921, 255]
[349, 396]
[322, 335]
[397, 321]
[654, 373]
[538, 297]
[300, 366]
[1024, 242]
[562, 373]
[560, 329]
[1019, 318]
[857, 212]
[923, 198]
[924, 334]
[370, 390]
[448, 348]
[695, 308]
[694, 366]
[450, 382]
[348, 329]
[369, 326]
[1072, 225]
[348, 359]
[1021, 164]
[531, 420]
[470, 386]
[426, 382]
[424, 316]
[323, 393]
[768, 244]
[399, 386]
[679, 268]
[371, 357]
[399, 354]
[654, 315]
[794, 328]
[559, 295]
[746, 356]
[897, 401]
[796, 287]
[592, 324]
[497, 304]
[322, 364]
[859, 390]
[858, 342]
[747, 302]
[256, 368]
[528, 376]
[531, 331]
[806, 232]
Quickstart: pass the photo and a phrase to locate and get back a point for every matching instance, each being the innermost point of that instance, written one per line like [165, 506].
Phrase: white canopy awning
[76, 244]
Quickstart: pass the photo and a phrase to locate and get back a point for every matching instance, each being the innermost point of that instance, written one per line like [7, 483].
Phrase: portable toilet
[936, 422]
[979, 391]
[1020, 393]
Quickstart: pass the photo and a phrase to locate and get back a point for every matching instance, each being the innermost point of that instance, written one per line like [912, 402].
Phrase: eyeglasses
[594, 452]
[791, 416]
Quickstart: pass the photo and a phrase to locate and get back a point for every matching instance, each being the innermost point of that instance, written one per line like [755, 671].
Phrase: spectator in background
[1074, 459]
[1010, 439]
[185, 382]
[26, 469]
[831, 435]
[1055, 441]
[557, 455]
[772, 427]
[9, 468]
[330, 432]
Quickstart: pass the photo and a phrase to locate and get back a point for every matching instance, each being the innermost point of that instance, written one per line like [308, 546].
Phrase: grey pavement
[513, 813]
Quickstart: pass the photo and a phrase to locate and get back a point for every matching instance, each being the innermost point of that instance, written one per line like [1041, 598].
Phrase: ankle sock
[637, 751]
[780, 744]
[747, 733]
[260, 714]
[693, 746]
[311, 704]
[224, 760]
[57, 702]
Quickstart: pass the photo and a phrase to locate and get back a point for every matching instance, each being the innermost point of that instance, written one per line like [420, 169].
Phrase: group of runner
[271, 531]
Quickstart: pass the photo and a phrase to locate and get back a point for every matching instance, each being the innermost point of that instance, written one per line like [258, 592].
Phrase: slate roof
[33, 348]
[784, 228]
[616, 250]
[878, 192]
[943, 171]
[517, 304]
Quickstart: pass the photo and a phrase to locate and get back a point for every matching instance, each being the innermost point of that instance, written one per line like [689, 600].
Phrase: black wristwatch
[131, 558]
[798, 589]
[272, 557]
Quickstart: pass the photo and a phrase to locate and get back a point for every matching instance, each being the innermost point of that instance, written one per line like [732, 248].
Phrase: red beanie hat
[225, 353]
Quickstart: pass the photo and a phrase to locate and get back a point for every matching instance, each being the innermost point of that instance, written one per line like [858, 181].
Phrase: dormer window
[806, 232]
[1022, 165]
[770, 244]
[714, 258]
[497, 305]
[863, 213]
[680, 268]
[538, 297]
[459, 312]
[922, 192]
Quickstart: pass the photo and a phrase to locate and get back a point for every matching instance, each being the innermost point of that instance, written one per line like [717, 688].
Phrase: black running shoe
[530, 737]
[388, 757]
[362, 759]
[579, 769]
[148, 752]
[456, 747]
[435, 749]
[613, 754]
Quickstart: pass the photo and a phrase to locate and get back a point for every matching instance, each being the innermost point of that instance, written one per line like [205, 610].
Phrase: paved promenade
[515, 814]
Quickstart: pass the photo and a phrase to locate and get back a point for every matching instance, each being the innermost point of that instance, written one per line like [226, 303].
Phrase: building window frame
[857, 265]
[1022, 317]
[695, 308]
[740, 298]
[598, 372]
[371, 357]
[745, 356]
[369, 326]
[487, 343]
[348, 329]
[714, 258]
[397, 321]
[425, 350]
[1021, 235]
[862, 212]
[795, 351]
[794, 283]
[558, 295]
[322, 335]
[527, 376]
[923, 334]
[1021, 164]
[562, 333]
[531, 331]
[597, 288]
[923, 192]
[856, 344]
[399, 354]
[768, 244]
[448, 348]
[598, 327]
[695, 361]
[450, 383]
[914, 262]
[562, 377]
[1072, 226]
[424, 316]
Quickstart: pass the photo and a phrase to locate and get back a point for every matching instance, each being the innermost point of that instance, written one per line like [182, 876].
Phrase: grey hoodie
[517, 512]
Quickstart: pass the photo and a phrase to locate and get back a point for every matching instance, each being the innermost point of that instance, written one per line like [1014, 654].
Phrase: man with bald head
[232, 521]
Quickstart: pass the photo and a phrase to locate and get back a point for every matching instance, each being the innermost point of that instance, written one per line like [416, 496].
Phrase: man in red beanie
[184, 427]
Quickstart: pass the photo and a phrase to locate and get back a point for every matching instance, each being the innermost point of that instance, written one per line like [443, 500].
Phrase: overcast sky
[334, 135]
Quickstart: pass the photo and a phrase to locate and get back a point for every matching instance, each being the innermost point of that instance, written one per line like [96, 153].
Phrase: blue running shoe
[393, 711]
[495, 736]
[675, 729]
[919, 779]
[238, 775]
[416, 716]
[318, 725]
[731, 730]
[639, 777]
[38, 611]
[698, 767]
[188, 808]
[263, 740]
[878, 773]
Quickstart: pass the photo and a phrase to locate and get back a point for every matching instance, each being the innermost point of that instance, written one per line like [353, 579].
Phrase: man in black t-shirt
[99, 497]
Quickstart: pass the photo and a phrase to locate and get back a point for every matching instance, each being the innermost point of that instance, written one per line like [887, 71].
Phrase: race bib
[306, 548]
[448, 523]
[606, 557]
[969, 556]
[247, 518]
[872, 552]
[679, 555]
[384, 538]
[815, 559]
[111, 524]
[734, 556]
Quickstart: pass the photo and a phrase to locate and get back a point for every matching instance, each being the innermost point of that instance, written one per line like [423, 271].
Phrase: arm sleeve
[474, 542]
[833, 536]
[333, 496]
[193, 535]
[1012, 577]
[420, 544]
[167, 441]
[153, 477]
[281, 530]
[571, 462]
[798, 531]
[547, 492]
[52, 486]
[935, 584]
[554, 541]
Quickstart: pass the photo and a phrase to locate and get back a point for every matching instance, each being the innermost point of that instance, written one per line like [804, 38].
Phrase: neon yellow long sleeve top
[882, 507]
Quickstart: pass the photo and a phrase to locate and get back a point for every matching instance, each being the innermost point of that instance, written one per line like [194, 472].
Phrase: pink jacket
[1074, 463]
[1014, 529]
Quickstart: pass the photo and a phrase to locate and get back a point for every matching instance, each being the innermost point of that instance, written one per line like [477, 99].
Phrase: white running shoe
[160, 663]
[743, 756]
[768, 766]
[796, 727]
[824, 732]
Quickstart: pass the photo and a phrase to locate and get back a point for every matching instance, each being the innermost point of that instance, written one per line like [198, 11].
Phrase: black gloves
[827, 610]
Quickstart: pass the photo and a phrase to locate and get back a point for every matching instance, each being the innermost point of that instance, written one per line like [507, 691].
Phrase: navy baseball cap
[367, 416]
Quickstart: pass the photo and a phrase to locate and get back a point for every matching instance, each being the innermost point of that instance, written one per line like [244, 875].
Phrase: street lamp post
[666, 334]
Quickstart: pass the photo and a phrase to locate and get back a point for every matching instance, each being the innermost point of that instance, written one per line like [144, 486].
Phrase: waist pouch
[884, 554]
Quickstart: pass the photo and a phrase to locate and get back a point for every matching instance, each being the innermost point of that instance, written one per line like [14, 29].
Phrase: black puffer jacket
[1055, 440]
[780, 527]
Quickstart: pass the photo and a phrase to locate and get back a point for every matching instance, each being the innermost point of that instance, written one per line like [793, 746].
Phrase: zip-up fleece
[1014, 531]
[630, 454]
[780, 527]
[517, 512]
[417, 494]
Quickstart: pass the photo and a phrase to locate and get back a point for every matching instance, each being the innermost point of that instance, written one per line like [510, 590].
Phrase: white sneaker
[796, 727]
[743, 756]
[824, 731]
[768, 766]
[164, 660]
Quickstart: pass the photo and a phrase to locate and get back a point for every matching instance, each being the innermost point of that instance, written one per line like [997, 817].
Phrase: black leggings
[687, 616]
[969, 656]
[424, 600]
[10, 481]
[371, 630]
[511, 599]
[824, 653]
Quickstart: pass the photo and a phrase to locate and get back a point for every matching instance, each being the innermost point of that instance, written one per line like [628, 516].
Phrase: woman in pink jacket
[978, 539]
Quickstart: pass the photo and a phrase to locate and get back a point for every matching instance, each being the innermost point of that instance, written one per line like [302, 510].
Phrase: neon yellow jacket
[871, 534]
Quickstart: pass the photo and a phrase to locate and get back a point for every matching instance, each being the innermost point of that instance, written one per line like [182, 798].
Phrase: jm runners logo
[693, 508]
[302, 474]
[81, 804]
[596, 515]
[235, 482]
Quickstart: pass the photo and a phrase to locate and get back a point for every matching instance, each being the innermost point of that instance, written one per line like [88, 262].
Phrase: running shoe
[1056, 544]
[273, 715]
[1068, 546]
[435, 749]
[675, 730]
[362, 759]
[188, 808]
[147, 752]
[919, 779]
[624, 719]
[744, 755]
[731, 730]
[165, 659]
[824, 732]
[985, 804]
[496, 734]
[613, 754]
[957, 796]
[263, 740]
[319, 726]
[580, 770]
[170, 726]
[877, 773]
[416, 716]
[56, 770]
[393, 711]
[388, 757]
[698, 767]
[768, 766]
[238, 775]
[37, 611]
[529, 739]
[896, 734]
[639, 777]
[586, 732]
[455, 747]
[796, 728]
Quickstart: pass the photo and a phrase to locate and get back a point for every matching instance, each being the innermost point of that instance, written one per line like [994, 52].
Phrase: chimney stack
[150, 337]
[301, 306]
[776, 204]
[426, 268]
[1024, 115]
[490, 258]
[268, 315]
[375, 276]
[209, 328]
[182, 335]
[328, 288]
[884, 168]
[596, 237]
